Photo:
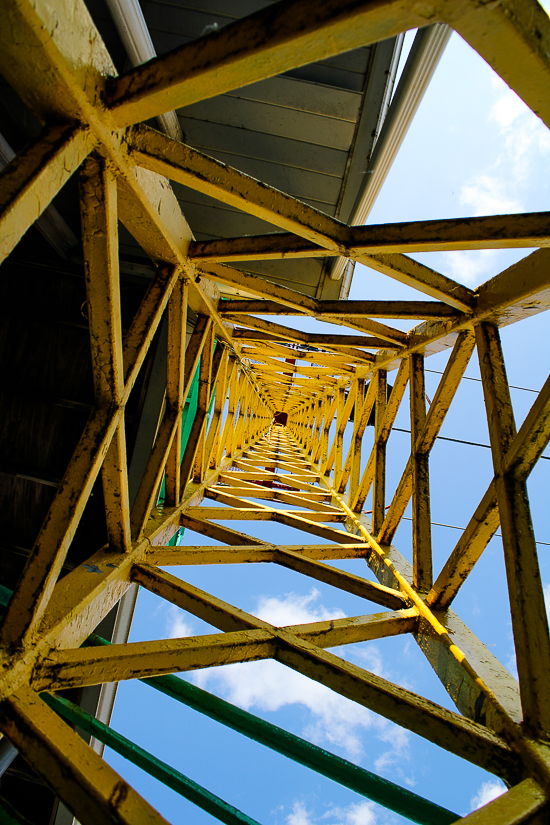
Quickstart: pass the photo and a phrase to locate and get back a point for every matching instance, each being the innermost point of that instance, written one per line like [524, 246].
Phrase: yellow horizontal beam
[492, 232]
[141, 660]
[251, 463]
[224, 616]
[357, 629]
[289, 334]
[245, 554]
[254, 512]
[343, 308]
[337, 342]
[284, 496]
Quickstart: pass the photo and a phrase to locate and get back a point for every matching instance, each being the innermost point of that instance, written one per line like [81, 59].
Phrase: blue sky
[473, 149]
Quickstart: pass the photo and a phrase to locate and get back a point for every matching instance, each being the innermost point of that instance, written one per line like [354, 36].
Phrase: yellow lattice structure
[53, 56]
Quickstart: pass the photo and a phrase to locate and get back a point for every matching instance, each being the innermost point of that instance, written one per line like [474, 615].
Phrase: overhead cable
[461, 441]
[455, 527]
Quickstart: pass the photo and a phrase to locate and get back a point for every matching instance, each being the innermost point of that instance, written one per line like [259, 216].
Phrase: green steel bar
[9, 816]
[155, 767]
[187, 417]
[5, 595]
[357, 779]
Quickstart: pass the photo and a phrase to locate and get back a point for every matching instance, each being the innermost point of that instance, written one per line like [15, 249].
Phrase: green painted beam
[187, 417]
[9, 816]
[155, 767]
[357, 779]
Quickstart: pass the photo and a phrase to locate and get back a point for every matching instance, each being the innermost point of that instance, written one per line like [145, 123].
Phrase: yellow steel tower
[280, 400]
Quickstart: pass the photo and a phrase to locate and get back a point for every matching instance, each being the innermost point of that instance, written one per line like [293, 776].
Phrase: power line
[467, 378]
[454, 527]
[461, 441]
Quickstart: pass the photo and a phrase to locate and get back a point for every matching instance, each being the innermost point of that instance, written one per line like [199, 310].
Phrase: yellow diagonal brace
[33, 178]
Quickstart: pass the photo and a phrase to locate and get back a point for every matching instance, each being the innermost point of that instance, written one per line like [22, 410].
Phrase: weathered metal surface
[494, 232]
[529, 621]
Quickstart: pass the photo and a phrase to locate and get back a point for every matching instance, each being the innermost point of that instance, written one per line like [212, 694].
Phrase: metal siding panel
[296, 182]
[329, 76]
[299, 272]
[304, 280]
[222, 222]
[214, 139]
[356, 60]
[275, 120]
[304, 96]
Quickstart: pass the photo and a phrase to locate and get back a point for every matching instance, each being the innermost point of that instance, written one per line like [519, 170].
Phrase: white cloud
[295, 609]
[471, 267]
[489, 790]
[269, 686]
[398, 753]
[521, 146]
[507, 108]
[547, 598]
[176, 625]
[525, 136]
[487, 195]
[369, 657]
[523, 142]
[358, 813]
[299, 815]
